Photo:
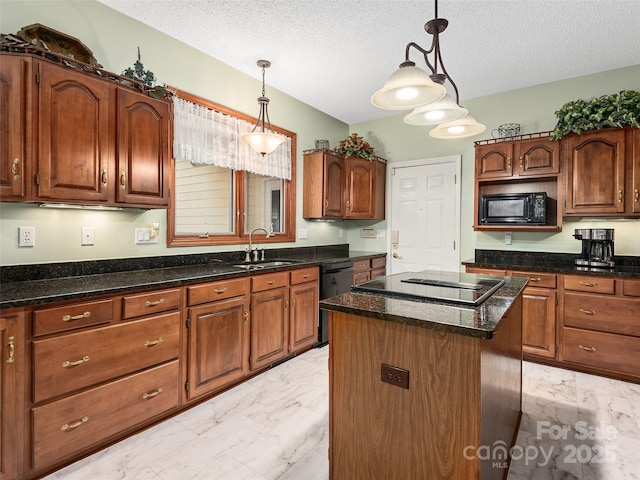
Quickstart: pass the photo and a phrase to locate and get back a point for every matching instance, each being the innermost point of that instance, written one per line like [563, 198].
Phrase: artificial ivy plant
[617, 110]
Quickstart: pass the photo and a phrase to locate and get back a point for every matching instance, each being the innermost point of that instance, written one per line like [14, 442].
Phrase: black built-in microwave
[514, 209]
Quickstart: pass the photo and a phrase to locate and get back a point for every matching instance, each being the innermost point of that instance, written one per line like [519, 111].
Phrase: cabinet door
[595, 172]
[14, 98]
[536, 156]
[74, 132]
[539, 322]
[333, 184]
[635, 169]
[494, 160]
[143, 158]
[218, 344]
[9, 440]
[303, 323]
[360, 188]
[269, 326]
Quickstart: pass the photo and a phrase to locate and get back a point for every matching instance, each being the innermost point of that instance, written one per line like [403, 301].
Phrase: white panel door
[425, 212]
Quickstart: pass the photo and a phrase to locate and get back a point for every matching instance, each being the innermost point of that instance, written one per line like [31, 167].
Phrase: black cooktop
[453, 287]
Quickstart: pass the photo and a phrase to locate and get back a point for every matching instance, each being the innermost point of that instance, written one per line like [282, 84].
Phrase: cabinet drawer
[304, 275]
[69, 317]
[361, 265]
[79, 360]
[601, 313]
[150, 302]
[543, 280]
[618, 353]
[211, 292]
[378, 262]
[70, 425]
[269, 281]
[360, 277]
[589, 284]
[381, 272]
[631, 288]
[485, 271]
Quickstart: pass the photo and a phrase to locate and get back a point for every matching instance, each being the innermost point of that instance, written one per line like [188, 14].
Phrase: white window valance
[203, 136]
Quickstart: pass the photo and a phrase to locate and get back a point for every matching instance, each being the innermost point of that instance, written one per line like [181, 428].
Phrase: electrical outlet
[87, 236]
[26, 236]
[508, 236]
[394, 375]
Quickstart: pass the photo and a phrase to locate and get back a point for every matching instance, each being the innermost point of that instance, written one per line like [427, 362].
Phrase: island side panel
[382, 431]
[501, 395]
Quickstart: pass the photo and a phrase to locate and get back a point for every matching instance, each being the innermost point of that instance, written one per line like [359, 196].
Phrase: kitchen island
[424, 389]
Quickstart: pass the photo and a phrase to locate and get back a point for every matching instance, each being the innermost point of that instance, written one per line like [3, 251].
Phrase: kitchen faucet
[250, 249]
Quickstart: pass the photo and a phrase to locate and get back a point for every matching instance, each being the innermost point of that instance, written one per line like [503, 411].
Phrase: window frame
[240, 236]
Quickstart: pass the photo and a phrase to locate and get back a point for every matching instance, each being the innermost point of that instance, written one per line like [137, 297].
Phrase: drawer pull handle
[270, 282]
[123, 180]
[153, 304]
[221, 290]
[536, 279]
[16, 175]
[588, 349]
[246, 316]
[148, 343]
[588, 312]
[68, 364]
[71, 426]
[637, 195]
[293, 302]
[104, 177]
[305, 276]
[147, 396]
[66, 318]
[620, 196]
[589, 284]
[12, 350]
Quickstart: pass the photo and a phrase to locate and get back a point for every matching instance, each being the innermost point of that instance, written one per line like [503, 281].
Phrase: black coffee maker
[597, 247]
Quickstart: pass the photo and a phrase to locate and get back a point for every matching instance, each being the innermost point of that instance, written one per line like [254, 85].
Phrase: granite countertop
[30, 285]
[625, 266]
[480, 321]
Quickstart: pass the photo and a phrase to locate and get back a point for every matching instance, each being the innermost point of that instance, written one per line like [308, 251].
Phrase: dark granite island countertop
[480, 321]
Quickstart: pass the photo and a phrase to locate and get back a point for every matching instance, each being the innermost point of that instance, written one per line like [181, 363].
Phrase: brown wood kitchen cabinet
[539, 318]
[526, 164]
[218, 335]
[11, 353]
[303, 321]
[600, 327]
[99, 369]
[338, 187]
[15, 97]
[94, 142]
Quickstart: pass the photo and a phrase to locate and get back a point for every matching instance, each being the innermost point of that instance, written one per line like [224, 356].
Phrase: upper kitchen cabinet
[338, 187]
[95, 142]
[525, 164]
[527, 157]
[14, 95]
[602, 177]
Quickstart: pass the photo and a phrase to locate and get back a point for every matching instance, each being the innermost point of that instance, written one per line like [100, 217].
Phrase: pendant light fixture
[411, 87]
[261, 139]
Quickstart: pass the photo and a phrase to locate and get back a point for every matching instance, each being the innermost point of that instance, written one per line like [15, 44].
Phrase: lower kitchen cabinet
[303, 321]
[600, 325]
[218, 335]
[11, 351]
[368, 269]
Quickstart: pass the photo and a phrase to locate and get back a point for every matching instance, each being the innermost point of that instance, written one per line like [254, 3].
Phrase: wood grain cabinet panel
[77, 360]
[73, 316]
[76, 423]
[214, 291]
[587, 283]
[151, 303]
[602, 313]
[15, 98]
[303, 321]
[269, 326]
[11, 359]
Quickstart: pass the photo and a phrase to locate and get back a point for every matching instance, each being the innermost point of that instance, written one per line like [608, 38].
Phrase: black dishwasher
[335, 278]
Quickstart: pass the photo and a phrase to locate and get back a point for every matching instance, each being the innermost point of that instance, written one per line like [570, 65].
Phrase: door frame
[455, 159]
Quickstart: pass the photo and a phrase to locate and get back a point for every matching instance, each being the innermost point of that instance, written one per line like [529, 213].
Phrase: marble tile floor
[274, 426]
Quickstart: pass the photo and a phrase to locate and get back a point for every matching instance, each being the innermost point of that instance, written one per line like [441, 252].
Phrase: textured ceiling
[333, 54]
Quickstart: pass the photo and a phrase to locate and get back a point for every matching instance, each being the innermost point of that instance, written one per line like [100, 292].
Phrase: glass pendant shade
[461, 128]
[442, 111]
[408, 87]
[263, 142]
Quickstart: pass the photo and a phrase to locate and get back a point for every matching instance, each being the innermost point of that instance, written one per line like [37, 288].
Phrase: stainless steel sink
[261, 265]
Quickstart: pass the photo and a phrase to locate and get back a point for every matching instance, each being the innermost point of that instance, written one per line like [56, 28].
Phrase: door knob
[395, 255]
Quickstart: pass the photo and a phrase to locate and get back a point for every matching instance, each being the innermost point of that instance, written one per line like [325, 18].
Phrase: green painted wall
[114, 39]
